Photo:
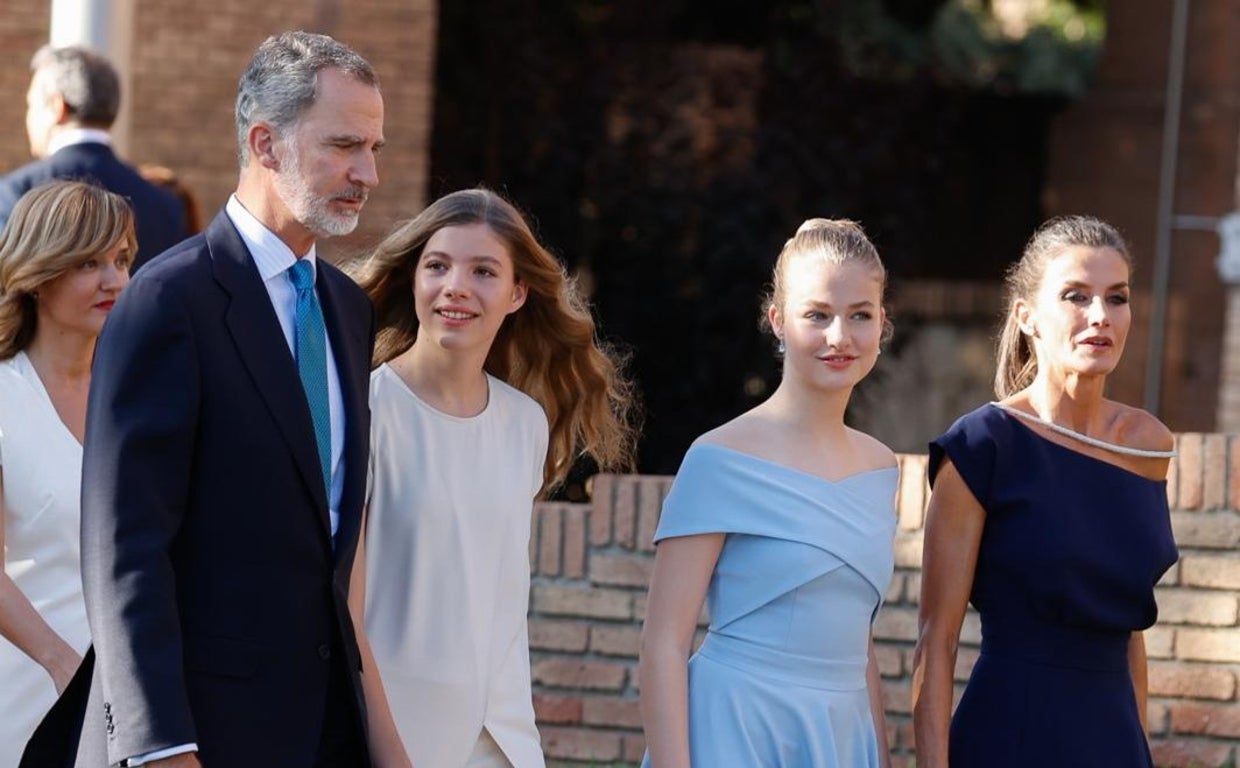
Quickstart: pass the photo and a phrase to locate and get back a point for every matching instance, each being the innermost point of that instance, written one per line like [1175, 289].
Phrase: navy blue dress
[1070, 552]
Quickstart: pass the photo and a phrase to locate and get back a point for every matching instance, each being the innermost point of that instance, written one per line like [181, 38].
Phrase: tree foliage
[1046, 47]
[667, 150]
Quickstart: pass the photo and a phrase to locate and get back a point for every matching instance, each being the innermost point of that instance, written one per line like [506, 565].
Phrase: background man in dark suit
[226, 451]
[73, 100]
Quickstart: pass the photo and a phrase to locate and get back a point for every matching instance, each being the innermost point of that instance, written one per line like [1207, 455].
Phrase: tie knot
[302, 274]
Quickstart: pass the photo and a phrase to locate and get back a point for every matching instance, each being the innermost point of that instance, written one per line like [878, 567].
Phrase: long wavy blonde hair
[548, 348]
[53, 228]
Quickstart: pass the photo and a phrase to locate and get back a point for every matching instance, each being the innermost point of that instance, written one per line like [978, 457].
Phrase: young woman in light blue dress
[782, 521]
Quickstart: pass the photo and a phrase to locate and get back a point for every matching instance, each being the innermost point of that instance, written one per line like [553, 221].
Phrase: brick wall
[591, 565]
[1103, 158]
[23, 28]
[186, 59]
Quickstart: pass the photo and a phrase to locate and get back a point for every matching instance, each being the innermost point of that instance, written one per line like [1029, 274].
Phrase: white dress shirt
[67, 137]
[273, 259]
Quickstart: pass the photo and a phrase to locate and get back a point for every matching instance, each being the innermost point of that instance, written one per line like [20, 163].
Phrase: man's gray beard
[322, 222]
[310, 210]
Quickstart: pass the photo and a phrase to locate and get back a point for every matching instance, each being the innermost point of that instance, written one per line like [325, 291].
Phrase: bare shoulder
[739, 434]
[872, 451]
[1137, 428]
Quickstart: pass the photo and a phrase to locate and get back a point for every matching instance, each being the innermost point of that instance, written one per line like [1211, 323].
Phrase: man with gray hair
[226, 452]
[73, 99]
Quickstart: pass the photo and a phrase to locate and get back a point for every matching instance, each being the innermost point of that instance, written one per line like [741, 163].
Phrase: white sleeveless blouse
[448, 574]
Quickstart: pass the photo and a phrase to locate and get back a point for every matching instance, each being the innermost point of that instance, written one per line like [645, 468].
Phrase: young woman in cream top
[490, 382]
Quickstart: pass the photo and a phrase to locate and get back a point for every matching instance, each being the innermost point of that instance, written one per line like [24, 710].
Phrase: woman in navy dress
[782, 519]
[1049, 513]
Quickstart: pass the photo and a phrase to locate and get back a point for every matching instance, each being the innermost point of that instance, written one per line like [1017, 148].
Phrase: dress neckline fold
[800, 472]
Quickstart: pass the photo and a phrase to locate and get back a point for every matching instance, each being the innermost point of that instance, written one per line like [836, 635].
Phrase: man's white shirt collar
[271, 255]
[67, 137]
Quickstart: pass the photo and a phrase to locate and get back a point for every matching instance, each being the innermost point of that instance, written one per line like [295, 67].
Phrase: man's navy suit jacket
[217, 598]
[159, 217]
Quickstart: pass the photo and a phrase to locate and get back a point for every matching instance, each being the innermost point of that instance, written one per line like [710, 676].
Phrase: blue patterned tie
[311, 344]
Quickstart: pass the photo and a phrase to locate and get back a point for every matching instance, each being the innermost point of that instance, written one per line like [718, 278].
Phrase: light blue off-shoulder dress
[779, 681]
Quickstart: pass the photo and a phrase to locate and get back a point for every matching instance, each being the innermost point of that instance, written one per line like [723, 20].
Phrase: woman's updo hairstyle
[837, 241]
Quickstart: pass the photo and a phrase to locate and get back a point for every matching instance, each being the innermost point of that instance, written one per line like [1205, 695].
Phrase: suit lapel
[255, 330]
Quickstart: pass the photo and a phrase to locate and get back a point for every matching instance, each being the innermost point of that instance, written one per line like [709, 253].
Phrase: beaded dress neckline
[1095, 442]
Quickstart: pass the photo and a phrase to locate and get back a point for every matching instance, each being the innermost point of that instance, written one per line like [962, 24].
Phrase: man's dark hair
[84, 79]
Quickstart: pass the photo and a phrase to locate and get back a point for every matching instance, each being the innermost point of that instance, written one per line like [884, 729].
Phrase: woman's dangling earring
[780, 347]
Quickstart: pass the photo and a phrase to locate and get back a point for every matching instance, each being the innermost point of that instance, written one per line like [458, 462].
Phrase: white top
[447, 569]
[42, 468]
[274, 259]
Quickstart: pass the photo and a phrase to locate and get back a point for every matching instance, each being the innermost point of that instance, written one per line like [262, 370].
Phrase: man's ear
[58, 108]
[262, 140]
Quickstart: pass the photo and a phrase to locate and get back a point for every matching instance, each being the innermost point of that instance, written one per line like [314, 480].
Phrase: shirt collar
[271, 255]
[66, 137]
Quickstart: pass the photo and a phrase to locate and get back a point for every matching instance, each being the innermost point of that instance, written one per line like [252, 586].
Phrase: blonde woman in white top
[490, 383]
[64, 259]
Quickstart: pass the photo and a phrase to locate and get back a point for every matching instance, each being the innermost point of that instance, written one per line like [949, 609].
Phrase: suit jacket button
[325, 652]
